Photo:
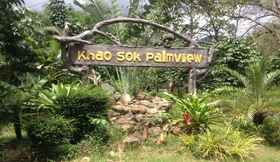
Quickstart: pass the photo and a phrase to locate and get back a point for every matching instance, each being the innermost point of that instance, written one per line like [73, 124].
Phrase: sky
[39, 4]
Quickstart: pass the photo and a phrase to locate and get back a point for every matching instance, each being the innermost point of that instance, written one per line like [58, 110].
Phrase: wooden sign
[138, 56]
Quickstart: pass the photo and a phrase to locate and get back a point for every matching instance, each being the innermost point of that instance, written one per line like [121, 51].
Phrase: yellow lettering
[169, 57]
[129, 56]
[81, 56]
[184, 58]
[190, 57]
[157, 57]
[149, 56]
[107, 55]
[91, 56]
[163, 57]
[178, 57]
[99, 56]
[198, 58]
[137, 57]
[120, 56]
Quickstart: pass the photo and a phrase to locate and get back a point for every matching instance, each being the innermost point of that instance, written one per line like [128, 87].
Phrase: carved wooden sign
[83, 54]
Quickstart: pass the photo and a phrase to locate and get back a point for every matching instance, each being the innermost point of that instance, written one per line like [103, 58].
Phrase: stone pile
[138, 118]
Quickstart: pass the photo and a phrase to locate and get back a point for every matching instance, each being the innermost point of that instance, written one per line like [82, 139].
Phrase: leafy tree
[17, 59]
[188, 15]
[233, 54]
[57, 12]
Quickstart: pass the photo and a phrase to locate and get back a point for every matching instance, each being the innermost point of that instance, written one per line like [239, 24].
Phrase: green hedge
[50, 131]
[84, 107]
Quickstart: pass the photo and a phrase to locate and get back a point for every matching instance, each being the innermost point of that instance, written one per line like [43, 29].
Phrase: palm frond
[237, 75]
[270, 77]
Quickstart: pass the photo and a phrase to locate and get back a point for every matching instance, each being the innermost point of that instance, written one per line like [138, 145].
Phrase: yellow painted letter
[120, 56]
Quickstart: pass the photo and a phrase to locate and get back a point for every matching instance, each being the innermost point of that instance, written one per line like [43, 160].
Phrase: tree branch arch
[97, 29]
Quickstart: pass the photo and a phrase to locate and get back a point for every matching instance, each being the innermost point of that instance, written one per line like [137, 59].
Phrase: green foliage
[271, 129]
[15, 53]
[232, 54]
[222, 144]
[97, 11]
[256, 79]
[15, 104]
[132, 80]
[50, 131]
[73, 100]
[85, 105]
[245, 124]
[202, 115]
[58, 12]
[9, 16]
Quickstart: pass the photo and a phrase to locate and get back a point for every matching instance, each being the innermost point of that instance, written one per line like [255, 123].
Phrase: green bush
[271, 129]
[221, 144]
[85, 101]
[50, 131]
[235, 54]
[195, 112]
[86, 106]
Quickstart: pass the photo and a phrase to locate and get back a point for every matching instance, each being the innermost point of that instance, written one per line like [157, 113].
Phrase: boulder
[138, 109]
[146, 103]
[132, 139]
[155, 131]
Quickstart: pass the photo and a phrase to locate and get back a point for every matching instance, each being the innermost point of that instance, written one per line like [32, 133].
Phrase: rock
[138, 109]
[125, 120]
[127, 127]
[155, 131]
[139, 117]
[157, 100]
[112, 119]
[113, 114]
[120, 108]
[140, 96]
[125, 99]
[176, 130]
[133, 117]
[146, 103]
[132, 139]
[152, 111]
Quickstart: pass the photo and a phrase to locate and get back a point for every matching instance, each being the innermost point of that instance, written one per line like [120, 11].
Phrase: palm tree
[256, 80]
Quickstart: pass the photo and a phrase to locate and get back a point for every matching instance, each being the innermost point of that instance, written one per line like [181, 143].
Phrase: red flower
[187, 119]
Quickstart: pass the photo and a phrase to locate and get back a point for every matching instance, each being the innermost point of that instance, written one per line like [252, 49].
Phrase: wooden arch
[97, 30]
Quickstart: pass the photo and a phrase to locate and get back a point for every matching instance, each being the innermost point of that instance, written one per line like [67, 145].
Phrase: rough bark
[97, 30]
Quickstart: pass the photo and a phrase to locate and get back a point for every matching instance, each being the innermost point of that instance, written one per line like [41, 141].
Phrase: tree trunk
[17, 125]
[192, 81]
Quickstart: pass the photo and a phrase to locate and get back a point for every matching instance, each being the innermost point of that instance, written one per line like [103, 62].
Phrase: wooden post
[192, 81]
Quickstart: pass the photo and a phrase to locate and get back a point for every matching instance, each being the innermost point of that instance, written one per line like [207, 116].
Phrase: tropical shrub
[233, 54]
[51, 131]
[85, 106]
[244, 124]
[196, 114]
[256, 79]
[221, 144]
[271, 129]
